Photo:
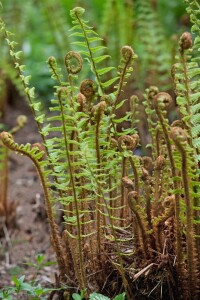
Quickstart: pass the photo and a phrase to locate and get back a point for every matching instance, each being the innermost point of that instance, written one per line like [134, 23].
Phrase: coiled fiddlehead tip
[169, 202]
[73, 62]
[160, 162]
[77, 12]
[179, 136]
[106, 98]
[88, 88]
[136, 139]
[7, 139]
[127, 53]
[147, 162]
[21, 120]
[101, 106]
[177, 123]
[185, 41]
[51, 60]
[134, 100]
[127, 182]
[128, 142]
[169, 206]
[62, 91]
[152, 92]
[162, 100]
[5, 135]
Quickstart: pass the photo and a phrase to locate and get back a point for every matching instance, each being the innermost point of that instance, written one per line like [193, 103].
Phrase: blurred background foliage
[41, 29]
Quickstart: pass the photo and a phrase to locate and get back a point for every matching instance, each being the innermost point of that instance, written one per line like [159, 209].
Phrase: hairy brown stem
[159, 103]
[180, 139]
[123, 192]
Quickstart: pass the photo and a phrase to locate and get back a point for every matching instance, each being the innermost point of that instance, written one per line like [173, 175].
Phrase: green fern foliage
[117, 24]
[125, 216]
[186, 78]
[153, 46]
[193, 10]
[89, 41]
[194, 76]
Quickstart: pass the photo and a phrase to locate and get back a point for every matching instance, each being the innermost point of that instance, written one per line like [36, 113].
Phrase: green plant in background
[118, 22]
[154, 46]
[33, 289]
[21, 19]
[130, 222]
[35, 292]
[10, 84]
[116, 26]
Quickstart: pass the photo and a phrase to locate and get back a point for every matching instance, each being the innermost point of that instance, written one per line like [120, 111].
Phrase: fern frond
[186, 73]
[36, 154]
[179, 137]
[89, 39]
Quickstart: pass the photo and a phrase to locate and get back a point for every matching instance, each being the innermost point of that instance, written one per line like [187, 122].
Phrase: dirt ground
[27, 234]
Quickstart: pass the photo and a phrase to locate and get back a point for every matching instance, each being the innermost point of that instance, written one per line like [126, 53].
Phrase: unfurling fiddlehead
[54, 69]
[127, 54]
[162, 100]
[140, 217]
[21, 121]
[73, 62]
[36, 155]
[179, 136]
[88, 89]
[168, 205]
[185, 42]
[128, 142]
[125, 143]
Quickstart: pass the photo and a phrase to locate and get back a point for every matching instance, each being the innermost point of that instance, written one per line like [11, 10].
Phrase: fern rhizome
[130, 223]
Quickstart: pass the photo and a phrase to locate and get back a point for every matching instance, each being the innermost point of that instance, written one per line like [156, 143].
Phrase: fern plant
[128, 220]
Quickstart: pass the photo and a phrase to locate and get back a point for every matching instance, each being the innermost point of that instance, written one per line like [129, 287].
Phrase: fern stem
[123, 191]
[180, 139]
[192, 269]
[121, 84]
[187, 95]
[56, 239]
[99, 112]
[129, 293]
[136, 176]
[83, 279]
[141, 224]
[98, 155]
[31, 104]
[91, 56]
[159, 101]
[4, 180]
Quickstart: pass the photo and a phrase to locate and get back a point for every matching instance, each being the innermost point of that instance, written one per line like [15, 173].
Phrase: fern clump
[124, 215]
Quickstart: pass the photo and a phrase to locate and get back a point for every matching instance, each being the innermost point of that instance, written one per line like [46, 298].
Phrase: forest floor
[27, 233]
